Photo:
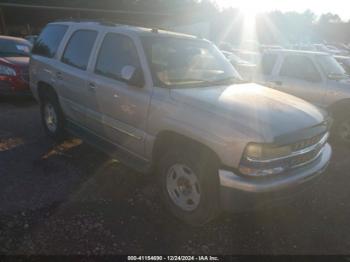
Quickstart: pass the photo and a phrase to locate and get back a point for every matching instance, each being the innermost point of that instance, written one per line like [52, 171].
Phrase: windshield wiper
[187, 81]
[201, 82]
[230, 80]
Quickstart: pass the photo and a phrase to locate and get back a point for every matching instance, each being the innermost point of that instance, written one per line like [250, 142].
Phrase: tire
[176, 170]
[341, 129]
[50, 108]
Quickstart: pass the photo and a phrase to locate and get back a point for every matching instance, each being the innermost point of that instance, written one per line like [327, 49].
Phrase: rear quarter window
[49, 40]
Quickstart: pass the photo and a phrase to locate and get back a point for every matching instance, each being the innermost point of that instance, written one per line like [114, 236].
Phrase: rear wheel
[190, 186]
[52, 117]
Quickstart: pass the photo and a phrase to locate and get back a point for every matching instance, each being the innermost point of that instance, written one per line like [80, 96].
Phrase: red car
[14, 66]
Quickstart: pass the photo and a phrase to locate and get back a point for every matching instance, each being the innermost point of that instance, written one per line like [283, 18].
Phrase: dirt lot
[72, 199]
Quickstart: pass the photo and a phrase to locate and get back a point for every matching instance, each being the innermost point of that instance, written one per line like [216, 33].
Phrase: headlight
[261, 152]
[7, 71]
[262, 159]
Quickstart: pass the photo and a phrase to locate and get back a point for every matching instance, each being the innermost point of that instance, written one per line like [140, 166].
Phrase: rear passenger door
[299, 76]
[42, 62]
[123, 107]
[72, 74]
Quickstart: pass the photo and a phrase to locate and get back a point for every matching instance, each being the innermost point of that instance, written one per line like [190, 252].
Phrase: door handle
[59, 75]
[92, 86]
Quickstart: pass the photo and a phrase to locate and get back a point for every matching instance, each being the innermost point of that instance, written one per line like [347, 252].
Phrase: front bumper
[240, 193]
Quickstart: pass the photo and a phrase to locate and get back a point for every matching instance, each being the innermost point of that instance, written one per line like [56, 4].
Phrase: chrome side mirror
[132, 76]
[127, 72]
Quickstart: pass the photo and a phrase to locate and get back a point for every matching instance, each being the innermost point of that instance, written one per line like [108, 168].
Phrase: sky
[340, 7]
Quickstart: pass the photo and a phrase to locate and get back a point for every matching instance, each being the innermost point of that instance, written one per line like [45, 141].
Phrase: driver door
[122, 107]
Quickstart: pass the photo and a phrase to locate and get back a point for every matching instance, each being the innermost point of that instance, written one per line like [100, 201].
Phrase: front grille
[304, 158]
[303, 152]
[306, 143]
[307, 150]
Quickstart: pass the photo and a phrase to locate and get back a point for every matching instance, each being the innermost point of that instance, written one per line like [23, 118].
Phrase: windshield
[13, 48]
[187, 62]
[331, 67]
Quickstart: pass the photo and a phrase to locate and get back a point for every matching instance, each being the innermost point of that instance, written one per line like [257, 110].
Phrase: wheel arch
[337, 108]
[46, 89]
[166, 139]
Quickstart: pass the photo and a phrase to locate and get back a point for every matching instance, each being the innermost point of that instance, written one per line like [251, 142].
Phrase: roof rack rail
[104, 22]
[70, 19]
[79, 20]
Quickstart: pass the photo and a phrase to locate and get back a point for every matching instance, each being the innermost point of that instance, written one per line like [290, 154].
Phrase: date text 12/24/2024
[173, 258]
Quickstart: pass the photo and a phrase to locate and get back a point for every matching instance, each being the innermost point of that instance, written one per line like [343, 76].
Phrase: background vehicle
[345, 62]
[330, 49]
[224, 46]
[250, 56]
[173, 104]
[263, 48]
[14, 63]
[337, 50]
[302, 46]
[244, 68]
[314, 76]
[31, 38]
[343, 47]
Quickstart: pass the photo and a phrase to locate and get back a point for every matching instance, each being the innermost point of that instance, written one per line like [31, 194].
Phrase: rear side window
[49, 40]
[300, 67]
[267, 63]
[116, 52]
[78, 49]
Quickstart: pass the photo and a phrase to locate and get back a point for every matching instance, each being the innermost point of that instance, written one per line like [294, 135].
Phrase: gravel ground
[72, 199]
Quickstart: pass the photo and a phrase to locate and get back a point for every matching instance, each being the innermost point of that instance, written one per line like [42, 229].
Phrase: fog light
[260, 172]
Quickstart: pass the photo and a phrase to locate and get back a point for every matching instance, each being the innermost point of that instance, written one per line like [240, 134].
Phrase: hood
[16, 61]
[262, 110]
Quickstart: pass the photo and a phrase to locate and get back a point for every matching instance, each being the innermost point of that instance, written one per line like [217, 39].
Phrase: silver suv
[314, 76]
[171, 104]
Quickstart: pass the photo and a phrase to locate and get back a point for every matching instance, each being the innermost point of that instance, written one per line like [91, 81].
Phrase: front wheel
[190, 186]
